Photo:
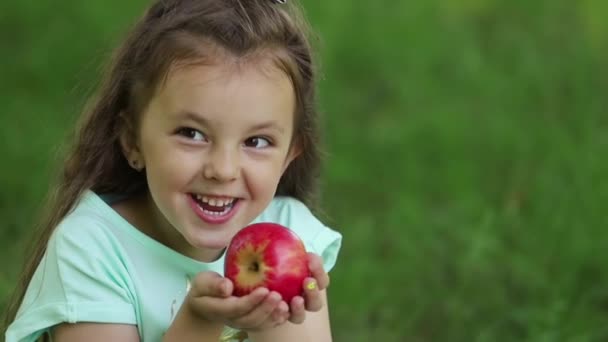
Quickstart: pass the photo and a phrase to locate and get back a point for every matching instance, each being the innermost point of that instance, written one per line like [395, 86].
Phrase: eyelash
[268, 141]
[190, 133]
[187, 133]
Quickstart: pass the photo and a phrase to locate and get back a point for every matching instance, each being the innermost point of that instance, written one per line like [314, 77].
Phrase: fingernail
[311, 286]
[274, 296]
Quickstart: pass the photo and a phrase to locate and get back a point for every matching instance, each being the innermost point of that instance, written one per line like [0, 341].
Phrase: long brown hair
[179, 31]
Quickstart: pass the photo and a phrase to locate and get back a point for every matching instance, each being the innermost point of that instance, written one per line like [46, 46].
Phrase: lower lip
[213, 219]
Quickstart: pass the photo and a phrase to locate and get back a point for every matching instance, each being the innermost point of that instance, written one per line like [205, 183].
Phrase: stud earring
[135, 165]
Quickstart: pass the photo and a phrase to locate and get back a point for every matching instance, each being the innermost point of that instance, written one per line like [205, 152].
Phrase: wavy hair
[169, 32]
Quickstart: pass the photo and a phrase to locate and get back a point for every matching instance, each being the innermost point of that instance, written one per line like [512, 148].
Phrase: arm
[94, 332]
[207, 308]
[309, 316]
[315, 328]
[185, 328]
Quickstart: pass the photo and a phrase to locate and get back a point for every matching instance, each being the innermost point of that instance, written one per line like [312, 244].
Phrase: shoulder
[82, 277]
[290, 210]
[84, 245]
[295, 215]
[92, 223]
[84, 230]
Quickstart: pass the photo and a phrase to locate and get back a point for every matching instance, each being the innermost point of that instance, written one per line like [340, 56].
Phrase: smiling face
[214, 141]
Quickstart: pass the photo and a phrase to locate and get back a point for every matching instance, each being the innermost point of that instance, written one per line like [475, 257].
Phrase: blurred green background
[466, 167]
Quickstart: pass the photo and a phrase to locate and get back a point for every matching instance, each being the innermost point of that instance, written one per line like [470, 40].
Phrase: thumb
[210, 284]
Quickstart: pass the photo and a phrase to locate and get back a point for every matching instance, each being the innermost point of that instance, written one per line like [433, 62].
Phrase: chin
[209, 242]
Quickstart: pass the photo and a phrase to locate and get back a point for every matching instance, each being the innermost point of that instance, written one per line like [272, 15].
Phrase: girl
[205, 123]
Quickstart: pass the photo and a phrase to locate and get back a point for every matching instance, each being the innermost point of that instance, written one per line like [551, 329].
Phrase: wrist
[189, 326]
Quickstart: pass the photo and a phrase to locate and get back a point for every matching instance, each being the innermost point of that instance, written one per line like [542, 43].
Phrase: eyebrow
[268, 125]
[188, 115]
[185, 114]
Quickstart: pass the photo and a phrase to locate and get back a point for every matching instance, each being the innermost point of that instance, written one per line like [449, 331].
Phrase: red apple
[267, 255]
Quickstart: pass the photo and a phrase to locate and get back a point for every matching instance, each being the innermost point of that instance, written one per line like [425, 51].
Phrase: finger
[312, 295]
[246, 304]
[315, 265]
[261, 313]
[298, 313]
[280, 314]
[210, 284]
[230, 308]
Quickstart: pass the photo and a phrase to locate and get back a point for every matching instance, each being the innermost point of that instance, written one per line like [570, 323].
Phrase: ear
[130, 147]
[294, 151]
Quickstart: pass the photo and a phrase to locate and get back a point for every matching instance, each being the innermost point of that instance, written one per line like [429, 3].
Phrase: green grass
[465, 170]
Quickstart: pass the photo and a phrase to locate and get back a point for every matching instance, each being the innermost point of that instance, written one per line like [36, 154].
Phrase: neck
[155, 225]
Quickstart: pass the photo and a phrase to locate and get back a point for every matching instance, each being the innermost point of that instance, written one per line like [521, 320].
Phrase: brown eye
[257, 142]
[191, 133]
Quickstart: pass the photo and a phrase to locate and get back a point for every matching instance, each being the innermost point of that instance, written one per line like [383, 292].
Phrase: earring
[135, 165]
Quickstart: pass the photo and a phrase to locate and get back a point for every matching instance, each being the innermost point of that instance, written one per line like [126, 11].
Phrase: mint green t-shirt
[99, 268]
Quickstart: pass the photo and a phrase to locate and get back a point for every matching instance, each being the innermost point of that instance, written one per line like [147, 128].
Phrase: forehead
[252, 89]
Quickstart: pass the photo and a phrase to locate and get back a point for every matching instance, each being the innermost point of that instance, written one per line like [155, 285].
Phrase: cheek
[265, 176]
[172, 169]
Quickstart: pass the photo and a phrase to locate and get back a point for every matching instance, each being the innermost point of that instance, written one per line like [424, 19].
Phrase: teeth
[225, 205]
[214, 202]
[217, 213]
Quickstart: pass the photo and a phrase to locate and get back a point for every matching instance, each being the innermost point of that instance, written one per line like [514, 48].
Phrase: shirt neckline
[193, 266]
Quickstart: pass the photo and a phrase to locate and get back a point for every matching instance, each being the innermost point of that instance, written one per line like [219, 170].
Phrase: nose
[221, 164]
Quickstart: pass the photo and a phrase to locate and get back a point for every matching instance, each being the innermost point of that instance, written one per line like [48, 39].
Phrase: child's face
[215, 141]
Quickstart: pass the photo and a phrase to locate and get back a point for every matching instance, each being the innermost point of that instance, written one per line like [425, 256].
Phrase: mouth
[213, 209]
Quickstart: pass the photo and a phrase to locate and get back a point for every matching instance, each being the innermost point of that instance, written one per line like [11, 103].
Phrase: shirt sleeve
[317, 237]
[81, 278]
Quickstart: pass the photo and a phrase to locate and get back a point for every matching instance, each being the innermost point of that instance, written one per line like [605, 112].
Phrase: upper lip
[215, 196]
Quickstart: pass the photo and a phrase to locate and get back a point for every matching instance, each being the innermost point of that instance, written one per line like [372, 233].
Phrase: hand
[311, 299]
[210, 298]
